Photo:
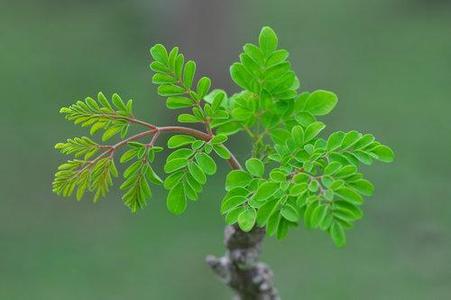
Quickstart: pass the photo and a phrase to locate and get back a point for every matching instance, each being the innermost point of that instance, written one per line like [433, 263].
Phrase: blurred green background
[390, 64]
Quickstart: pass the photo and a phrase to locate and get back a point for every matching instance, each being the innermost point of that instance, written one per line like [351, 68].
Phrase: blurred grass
[390, 64]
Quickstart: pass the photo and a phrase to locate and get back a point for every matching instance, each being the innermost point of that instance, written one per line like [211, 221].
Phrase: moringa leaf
[188, 73]
[255, 167]
[320, 102]
[246, 219]
[337, 234]
[267, 40]
[176, 200]
[176, 141]
[237, 178]
[206, 163]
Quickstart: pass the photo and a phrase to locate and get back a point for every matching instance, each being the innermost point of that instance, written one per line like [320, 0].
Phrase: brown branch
[155, 130]
[233, 162]
[132, 138]
[190, 131]
[154, 139]
[136, 121]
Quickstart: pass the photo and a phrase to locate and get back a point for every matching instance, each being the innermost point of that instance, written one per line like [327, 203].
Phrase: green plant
[293, 176]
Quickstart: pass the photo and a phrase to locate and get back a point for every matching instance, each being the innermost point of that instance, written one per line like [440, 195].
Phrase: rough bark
[240, 267]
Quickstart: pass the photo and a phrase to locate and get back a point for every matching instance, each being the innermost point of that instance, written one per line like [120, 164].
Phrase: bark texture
[240, 267]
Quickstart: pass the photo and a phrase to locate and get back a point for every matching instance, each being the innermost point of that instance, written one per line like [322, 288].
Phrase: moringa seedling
[293, 176]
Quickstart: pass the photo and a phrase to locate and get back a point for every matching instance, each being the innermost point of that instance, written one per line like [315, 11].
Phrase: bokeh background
[388, 60]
